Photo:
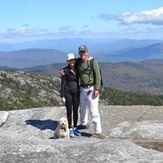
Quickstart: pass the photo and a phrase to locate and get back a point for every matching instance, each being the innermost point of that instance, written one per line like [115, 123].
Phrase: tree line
[44, 91]
[118, 97]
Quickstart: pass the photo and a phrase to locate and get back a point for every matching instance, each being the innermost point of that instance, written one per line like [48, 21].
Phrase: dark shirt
[69, 82]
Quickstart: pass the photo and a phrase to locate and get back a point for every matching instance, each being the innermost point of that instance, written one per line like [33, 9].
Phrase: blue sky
[26, 20]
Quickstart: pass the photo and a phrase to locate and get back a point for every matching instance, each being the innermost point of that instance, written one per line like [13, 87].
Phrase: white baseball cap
[70, 56]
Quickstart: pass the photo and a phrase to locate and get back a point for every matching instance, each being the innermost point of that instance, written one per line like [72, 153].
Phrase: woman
[70, 94]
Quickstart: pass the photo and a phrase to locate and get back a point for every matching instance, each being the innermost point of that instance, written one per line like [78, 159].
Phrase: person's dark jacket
[69, 82]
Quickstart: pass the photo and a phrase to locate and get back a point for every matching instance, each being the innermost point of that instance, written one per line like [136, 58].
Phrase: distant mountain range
[31, 57]
[154, 51]
[130, 65]
[43, 52]
[142, 77]
[95, 46]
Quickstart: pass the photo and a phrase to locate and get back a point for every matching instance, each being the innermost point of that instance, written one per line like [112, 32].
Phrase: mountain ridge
[35, 57]
[31, 57]
[21, 90]
[71, 44]
[149, 51]
[142, 77]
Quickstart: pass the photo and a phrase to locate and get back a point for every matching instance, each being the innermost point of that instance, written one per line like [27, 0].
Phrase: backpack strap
[91, 70]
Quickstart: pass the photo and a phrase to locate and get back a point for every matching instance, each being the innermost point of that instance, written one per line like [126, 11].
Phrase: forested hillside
[143, 77]
[117, 97]
[20, 90]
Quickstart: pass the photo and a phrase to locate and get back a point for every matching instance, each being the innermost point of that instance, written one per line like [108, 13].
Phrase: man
[89, 92]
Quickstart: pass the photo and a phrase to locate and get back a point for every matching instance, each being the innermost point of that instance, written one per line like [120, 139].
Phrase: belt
[86, 86]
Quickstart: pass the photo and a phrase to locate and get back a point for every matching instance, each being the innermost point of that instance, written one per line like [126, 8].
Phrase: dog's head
[63, 123]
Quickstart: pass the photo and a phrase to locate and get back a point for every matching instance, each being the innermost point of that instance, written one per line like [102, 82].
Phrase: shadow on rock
[86, 134]
[43, 124]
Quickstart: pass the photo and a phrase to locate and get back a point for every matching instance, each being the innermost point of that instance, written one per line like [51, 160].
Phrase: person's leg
[83, 107]
[94, 112]
[75, 113]
[68, 104]
[75, 100]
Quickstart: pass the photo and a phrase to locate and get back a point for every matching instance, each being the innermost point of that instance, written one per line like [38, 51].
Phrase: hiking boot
[76, 132]
[98, 136]
[72, 135]
[80, 127]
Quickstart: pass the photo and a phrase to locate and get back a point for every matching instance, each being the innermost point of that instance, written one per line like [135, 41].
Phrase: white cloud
[19, 31]
[153, 17]
[68, 27]
[23, 33]
[143, 17]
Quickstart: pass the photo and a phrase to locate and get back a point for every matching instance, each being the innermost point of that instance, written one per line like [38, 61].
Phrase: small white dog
[62, 130]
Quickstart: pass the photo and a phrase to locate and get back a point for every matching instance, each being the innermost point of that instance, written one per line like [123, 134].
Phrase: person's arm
[89, 58]
[78, 60]
[97, 78]
[63, 81]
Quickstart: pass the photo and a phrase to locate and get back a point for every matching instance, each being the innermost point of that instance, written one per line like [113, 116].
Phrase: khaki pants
[90, 102]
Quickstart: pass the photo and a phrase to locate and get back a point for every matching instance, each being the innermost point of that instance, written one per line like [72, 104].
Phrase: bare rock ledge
[133, 134]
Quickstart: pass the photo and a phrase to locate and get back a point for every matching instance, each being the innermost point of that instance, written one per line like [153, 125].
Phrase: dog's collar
[63, 129]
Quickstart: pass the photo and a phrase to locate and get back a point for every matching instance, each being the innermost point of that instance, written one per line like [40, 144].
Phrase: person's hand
[89, 58]
[62, 72]
[96, 93]
[63, 100]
